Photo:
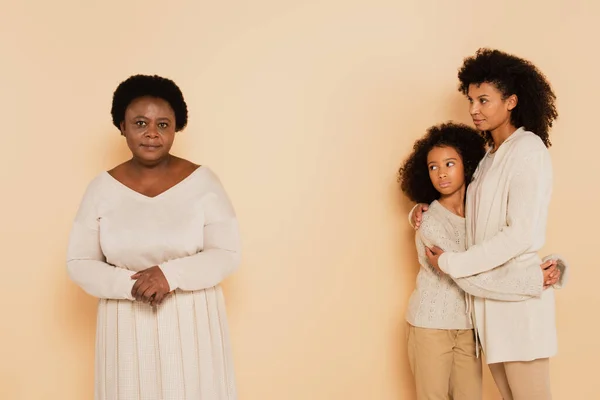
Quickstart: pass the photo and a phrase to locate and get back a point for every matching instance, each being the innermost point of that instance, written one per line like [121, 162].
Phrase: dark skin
[149, 129]
[490, 111]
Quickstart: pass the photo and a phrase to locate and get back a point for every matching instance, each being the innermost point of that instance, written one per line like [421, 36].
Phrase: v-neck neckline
[161, 194]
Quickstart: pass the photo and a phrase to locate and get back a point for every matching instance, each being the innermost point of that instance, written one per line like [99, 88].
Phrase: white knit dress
[179, 350]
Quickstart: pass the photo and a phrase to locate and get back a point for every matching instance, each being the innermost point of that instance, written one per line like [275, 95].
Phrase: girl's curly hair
[536, 108]
[414, 174]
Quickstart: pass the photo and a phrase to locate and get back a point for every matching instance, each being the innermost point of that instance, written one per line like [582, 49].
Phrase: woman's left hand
[151, 286]
[433, 255]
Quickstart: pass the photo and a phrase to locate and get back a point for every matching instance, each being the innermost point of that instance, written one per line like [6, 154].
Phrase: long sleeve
[221, 253]
[86, 264]
[497, 284]
[528, 186]
[508, 285]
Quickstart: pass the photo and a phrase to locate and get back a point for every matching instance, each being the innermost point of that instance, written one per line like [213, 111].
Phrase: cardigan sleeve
[529, 187]
[86, 264]
[496, 284]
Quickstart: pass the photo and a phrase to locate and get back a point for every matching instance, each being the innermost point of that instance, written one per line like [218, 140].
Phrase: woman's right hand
[551, 273]
[417, 214]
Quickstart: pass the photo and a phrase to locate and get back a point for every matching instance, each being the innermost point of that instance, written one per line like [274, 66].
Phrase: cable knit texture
[438, 301]
[506, 214]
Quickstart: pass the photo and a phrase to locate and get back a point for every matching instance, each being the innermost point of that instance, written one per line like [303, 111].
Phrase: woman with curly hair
[513, 105]
[441, 340]
[152, 239]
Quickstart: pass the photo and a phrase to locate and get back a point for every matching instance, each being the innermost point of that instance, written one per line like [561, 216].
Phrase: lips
[150, 146]
[477, 121]
[444, 185]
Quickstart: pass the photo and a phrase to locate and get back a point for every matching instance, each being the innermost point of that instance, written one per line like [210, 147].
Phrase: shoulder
[100, 183]
[432, 220]
[207, 185]
[206, 176]
[526, 142]
[94, 193]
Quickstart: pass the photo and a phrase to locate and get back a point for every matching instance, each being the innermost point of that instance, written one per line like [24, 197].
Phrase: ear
[512, 102]
[122, 126]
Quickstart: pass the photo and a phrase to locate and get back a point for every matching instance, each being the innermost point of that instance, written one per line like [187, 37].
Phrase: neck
[454, 202]
[501, 133]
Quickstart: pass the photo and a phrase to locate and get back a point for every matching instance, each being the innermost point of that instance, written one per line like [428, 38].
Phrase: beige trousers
[443, 364]
[523, 380]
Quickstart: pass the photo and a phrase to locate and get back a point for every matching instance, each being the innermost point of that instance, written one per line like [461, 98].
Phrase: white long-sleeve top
[506, 214]
[439, 301]
[190, 232]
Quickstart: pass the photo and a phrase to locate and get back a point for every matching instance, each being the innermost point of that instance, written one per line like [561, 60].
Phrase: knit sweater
[438, 301]
[507, 207]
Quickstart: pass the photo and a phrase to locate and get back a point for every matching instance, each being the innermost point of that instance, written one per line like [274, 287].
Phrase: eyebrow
[158, 119]
[480, 96]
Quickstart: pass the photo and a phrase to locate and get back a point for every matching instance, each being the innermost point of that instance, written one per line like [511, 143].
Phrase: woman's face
[149, 128]
[446, 170]
[488, 109]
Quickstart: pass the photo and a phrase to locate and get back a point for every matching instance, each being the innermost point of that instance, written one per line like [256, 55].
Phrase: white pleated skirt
[179, 350]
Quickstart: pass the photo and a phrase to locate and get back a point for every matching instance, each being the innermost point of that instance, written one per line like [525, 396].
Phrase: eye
[163, 125]
[483, 101]
[432, 167]
[450, 164]
[140, 124]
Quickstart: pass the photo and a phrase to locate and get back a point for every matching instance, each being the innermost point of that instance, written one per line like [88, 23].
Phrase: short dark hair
[414, 173]
[536, 108]
[149, 85]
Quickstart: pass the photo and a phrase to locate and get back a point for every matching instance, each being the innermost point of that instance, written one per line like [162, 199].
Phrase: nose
[152, 132]
[474, 108]
[442, 173]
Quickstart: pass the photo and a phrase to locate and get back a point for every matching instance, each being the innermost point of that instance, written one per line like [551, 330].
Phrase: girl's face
[446, 170]
[488, 109]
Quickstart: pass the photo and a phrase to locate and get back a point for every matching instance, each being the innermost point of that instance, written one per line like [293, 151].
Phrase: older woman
[153, 239]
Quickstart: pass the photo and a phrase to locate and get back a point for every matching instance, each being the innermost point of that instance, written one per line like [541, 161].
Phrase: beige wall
[305, 110]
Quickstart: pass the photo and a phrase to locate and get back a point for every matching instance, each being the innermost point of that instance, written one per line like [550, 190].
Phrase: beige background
[305, 110]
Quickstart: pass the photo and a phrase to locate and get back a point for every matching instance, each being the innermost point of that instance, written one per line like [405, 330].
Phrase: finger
[436, 250]
[153, 302]
[136, 287]
[139, 295]
[546, 264]
[148, 293]
[551, 280]
[137, 275]
[158, 298]
[548, 272]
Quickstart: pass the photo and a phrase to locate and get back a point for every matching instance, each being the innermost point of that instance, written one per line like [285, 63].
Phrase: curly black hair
[149, 85]
[536, 108]
[414, 174]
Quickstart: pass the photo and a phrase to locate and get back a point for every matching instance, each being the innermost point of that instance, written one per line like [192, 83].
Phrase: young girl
[442, 347]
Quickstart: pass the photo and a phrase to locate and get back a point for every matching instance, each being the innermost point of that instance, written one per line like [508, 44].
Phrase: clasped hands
[151, 286]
